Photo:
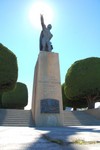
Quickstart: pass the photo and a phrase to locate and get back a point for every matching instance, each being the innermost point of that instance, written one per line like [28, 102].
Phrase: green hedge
[82, 81]
[83, 78]
[81, 103]
[17, 98]
[8, 69]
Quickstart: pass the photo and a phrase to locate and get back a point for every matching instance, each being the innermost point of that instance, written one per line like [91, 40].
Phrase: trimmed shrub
[81, 103]
[82, 81]
[17, 98]
[8, 69]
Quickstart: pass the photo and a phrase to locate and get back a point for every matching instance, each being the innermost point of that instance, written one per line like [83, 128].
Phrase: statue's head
[49, 26]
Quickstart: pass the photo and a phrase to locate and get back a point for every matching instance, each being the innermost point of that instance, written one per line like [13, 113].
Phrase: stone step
[16, 117]
[78, 118]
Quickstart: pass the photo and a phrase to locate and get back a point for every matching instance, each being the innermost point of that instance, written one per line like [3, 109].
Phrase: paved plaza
[61, 138]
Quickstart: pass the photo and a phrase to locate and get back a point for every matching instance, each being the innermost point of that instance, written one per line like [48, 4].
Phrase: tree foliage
[72, 103]
[82, 81]
[8, 69]
[17, 98]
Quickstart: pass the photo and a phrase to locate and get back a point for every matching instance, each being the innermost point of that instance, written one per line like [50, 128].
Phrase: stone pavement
[25, 138]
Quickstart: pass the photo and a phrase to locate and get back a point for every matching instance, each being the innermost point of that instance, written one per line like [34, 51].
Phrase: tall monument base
[47, 107]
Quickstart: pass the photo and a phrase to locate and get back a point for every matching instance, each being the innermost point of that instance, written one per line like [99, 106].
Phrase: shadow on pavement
[60, 134]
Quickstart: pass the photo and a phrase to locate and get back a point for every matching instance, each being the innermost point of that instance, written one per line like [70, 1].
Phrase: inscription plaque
[49, 106]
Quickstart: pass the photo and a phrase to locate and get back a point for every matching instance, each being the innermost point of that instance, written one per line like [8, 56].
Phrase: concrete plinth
[47, 107]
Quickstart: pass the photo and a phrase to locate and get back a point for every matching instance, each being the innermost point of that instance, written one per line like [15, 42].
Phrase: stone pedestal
[47, 107]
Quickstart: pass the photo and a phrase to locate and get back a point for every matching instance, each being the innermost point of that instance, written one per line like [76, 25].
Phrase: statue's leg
[43, 44]
[49, 46]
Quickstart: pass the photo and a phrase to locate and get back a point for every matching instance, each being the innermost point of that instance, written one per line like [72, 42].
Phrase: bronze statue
[45, 36]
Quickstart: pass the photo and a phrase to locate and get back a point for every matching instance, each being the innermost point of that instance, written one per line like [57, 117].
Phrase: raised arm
[42, 21]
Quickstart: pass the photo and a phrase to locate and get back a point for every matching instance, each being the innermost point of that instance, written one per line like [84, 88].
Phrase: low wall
[94, 112]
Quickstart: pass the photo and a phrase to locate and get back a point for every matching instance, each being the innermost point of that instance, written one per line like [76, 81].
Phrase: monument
[45, 37]
[47, 107]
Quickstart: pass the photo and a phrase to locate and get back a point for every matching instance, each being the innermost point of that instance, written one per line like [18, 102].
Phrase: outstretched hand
[41, 16]
[42, 20]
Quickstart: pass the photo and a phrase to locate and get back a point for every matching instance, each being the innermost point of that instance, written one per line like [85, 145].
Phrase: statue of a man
[45, 37]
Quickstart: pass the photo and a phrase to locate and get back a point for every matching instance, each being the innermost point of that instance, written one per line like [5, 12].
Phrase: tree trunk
[91, 103]
[74, 108]
[0, 103]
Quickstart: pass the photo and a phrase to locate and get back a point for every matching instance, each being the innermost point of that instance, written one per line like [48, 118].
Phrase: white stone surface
[24, 138]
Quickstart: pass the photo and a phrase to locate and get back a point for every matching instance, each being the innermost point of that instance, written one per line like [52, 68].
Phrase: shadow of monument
[60, 134]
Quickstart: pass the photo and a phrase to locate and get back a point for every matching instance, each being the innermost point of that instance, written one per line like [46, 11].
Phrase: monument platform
[47, 107]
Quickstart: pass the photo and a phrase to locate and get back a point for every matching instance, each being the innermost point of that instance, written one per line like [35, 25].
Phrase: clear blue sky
[76, 33]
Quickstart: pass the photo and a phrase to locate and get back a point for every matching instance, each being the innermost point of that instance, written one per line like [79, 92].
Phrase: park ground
[51, 138]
